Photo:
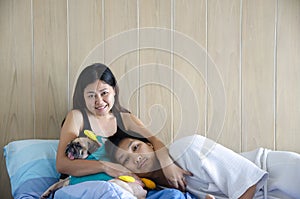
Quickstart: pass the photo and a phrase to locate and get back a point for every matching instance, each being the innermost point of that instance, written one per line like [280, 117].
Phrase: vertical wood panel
[258, 73]
[121, 24]
[35, 93]
[16, 80]
[155, 99]
[86, 34]
[288, 73]
[16, 118]
[50, 66]
[223, 49]
[190, 20]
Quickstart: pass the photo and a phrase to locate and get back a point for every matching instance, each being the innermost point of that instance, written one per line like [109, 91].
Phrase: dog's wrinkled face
[80, 148]
[76, 150]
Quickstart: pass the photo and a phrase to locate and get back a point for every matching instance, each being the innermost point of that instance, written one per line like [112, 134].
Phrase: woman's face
[99, 97]
[137, 156]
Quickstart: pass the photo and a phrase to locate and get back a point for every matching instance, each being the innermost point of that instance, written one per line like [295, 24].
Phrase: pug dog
[81, 148]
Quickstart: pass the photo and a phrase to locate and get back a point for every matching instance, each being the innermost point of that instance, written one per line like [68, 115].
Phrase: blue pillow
[31, 166]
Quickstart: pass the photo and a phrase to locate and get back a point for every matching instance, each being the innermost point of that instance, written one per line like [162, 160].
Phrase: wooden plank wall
[244, 92]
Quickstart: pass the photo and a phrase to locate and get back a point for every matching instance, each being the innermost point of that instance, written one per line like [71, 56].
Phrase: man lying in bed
[216, 169]
[89, 148]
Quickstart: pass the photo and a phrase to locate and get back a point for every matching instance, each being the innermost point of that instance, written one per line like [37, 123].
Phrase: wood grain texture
[254, 44]
[258, 42]
[288, 73]
[86, 34]
[50, 66]
[121, 49]
[17, 117]
[190, 76]
[224, 55]
[155, 95]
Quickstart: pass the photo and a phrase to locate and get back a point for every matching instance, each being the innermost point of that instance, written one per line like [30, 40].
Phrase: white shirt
[216, 170]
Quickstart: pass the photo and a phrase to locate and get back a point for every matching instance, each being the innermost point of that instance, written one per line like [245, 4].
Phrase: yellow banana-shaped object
[92, 136]
[127, 178]
[148, 183]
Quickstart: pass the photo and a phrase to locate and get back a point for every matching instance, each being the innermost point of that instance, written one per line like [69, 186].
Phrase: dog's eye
[77, 144]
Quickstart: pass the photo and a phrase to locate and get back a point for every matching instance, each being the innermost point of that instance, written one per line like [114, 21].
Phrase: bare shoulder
[73, 122]
[75, 114]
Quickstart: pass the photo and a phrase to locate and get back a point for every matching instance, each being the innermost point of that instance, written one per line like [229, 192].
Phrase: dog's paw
[46, 194]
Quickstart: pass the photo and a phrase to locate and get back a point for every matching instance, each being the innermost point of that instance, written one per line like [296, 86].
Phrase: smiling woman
[96, 108]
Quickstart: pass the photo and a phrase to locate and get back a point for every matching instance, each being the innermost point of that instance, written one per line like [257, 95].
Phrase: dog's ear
[92, 147]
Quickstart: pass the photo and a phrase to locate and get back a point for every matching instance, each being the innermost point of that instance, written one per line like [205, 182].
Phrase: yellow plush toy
[92, 136]
[149, 184]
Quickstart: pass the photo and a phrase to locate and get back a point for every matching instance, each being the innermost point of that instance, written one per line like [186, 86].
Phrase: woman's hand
[176, 176]
[116, 170]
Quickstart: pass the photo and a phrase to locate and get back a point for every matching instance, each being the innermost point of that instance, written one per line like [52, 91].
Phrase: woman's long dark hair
[91, 74]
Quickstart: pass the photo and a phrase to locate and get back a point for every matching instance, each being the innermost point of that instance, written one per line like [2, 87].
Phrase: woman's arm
[69, 131]
[173, 173]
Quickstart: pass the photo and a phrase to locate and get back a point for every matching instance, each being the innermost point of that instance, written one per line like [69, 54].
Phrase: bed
[31, 168]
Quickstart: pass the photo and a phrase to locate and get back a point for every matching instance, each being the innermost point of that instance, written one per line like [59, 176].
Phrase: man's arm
[249, 194]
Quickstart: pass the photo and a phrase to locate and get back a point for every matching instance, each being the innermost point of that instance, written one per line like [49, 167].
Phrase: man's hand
[208, 196]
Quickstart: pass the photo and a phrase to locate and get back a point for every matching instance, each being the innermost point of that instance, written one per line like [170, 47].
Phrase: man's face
[137, 156]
